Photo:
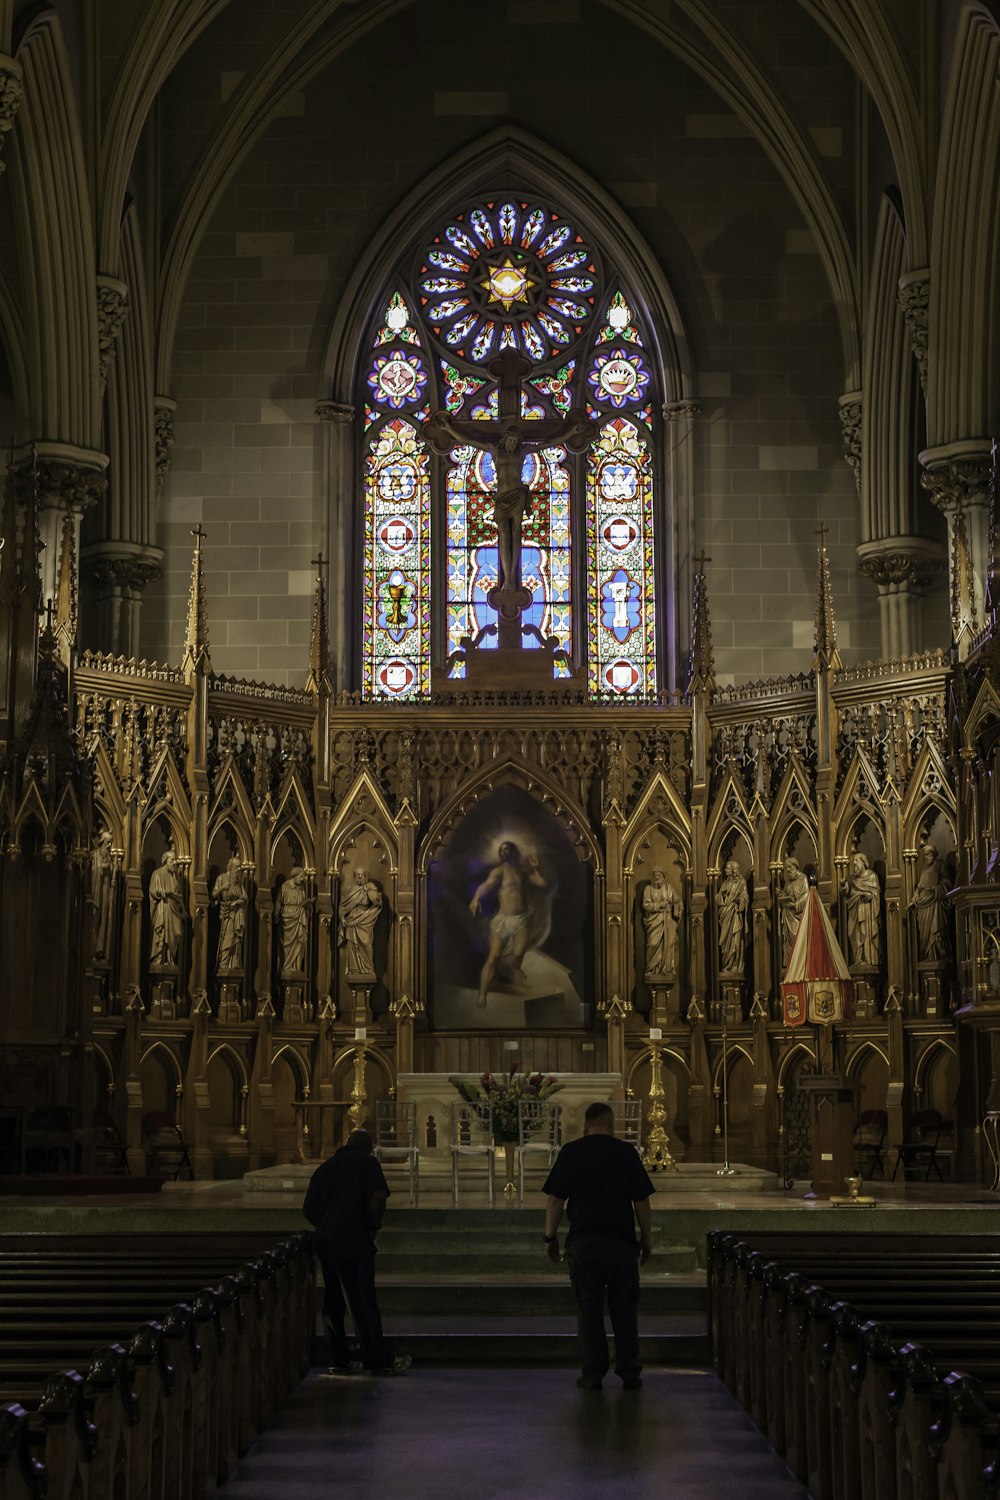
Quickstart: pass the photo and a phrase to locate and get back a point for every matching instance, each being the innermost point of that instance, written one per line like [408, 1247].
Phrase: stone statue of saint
[864, 909]
[166, 908]
[231, 893]
[734, 898]
[292, 910]
[102, 885]
[929, 905]
[661, 911]
[359, 911]
[792, 899]
[522, 918]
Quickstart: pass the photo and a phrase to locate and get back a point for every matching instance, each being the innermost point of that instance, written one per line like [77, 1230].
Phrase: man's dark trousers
[600, 1266]
[353, 1278]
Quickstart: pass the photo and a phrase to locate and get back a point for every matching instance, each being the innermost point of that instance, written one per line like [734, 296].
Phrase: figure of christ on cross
[508, 440]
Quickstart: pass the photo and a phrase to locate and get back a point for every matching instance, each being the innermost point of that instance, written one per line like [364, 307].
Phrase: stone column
[903, 567]
[120, 572]
[679, 417]
[338, 418]
[956, 476]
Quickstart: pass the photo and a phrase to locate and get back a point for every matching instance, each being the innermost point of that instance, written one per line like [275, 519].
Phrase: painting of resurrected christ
[510, 913]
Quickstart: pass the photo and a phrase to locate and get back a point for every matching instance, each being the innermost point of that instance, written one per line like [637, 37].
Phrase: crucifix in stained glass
[508, 440]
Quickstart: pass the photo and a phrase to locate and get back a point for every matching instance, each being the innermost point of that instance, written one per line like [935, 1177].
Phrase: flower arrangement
[504, 1091]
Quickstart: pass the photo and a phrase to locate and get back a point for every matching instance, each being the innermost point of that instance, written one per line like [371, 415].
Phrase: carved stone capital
[122, 565]
[163, 416]
[334, 411]
[112, 305]
[957, 475]
[907, 562]
[851, 408]
[64, 477]
[11, 93]
[914, 299]
[676, 411]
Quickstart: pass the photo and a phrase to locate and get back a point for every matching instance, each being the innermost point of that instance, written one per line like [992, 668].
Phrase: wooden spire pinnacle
[196, 657]
[701, 675]
[319, 639]
[825, 649]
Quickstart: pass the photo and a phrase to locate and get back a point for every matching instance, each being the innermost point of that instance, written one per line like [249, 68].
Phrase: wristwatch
[549, 1239]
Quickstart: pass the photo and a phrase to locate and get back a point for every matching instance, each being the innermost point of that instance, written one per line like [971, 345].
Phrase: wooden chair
[869, 1142]
[166, 1146]
[396, 1139]
[109, 1154]
[472, 1138]
[921, 1150]
[537, 1134]
[628, 1121]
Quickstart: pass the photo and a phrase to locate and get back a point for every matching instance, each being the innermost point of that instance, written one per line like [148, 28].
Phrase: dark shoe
[354, 1368]
[399, 1366]
[588, 1382]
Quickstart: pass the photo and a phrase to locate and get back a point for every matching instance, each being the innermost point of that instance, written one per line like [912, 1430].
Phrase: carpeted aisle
[468, 1434]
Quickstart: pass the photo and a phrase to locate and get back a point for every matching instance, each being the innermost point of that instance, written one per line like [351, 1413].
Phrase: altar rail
[871, 1362]
[170, 1353]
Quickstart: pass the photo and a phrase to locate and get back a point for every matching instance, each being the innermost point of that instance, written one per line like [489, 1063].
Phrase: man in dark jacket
[607, 1189]
[344, 1203]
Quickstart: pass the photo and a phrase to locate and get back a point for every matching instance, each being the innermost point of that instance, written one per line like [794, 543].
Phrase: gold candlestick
[359, 1098]
[657, 1153]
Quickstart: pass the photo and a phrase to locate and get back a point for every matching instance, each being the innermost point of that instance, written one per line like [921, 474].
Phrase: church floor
[931, 1208]
[439, 1434]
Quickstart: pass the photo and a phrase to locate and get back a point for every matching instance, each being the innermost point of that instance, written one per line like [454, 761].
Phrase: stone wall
[310, 194]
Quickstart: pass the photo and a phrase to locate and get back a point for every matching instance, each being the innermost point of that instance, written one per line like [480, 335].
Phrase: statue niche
[364, 924]
[511, 921]
[658, 925]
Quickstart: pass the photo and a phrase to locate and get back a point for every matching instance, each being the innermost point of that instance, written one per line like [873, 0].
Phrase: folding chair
[166, 1146]
[628, 1121]
[472, 1137]
[869, 1141]
[396, 1139]
[922, 1148]
[537, 1134]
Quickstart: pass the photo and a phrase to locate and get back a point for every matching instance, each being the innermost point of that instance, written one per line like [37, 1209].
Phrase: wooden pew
[163, 1408]
[872, 1365]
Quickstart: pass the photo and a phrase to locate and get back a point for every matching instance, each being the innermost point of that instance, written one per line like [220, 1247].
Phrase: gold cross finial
[700, 561]
[319, 561]
[822, 531]
[199, 534]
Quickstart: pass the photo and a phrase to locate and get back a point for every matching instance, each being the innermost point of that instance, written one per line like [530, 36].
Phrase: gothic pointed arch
[510, 154]
[539, 784]
[659, 806]
[598, 330]
[54, 230]
[859, 797]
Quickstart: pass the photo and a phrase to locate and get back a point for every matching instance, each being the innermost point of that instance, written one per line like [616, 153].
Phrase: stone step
[476, 1262]
[401, 1238]
[471, 1340]
[535, 1297]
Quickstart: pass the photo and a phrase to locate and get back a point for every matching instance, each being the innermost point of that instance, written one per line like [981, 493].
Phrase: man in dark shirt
[344, 1203]
[608, 1189]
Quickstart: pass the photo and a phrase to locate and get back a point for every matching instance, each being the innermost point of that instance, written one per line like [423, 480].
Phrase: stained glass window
[621, 635]
[473, 563]
[509, 273]
[397, 564]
